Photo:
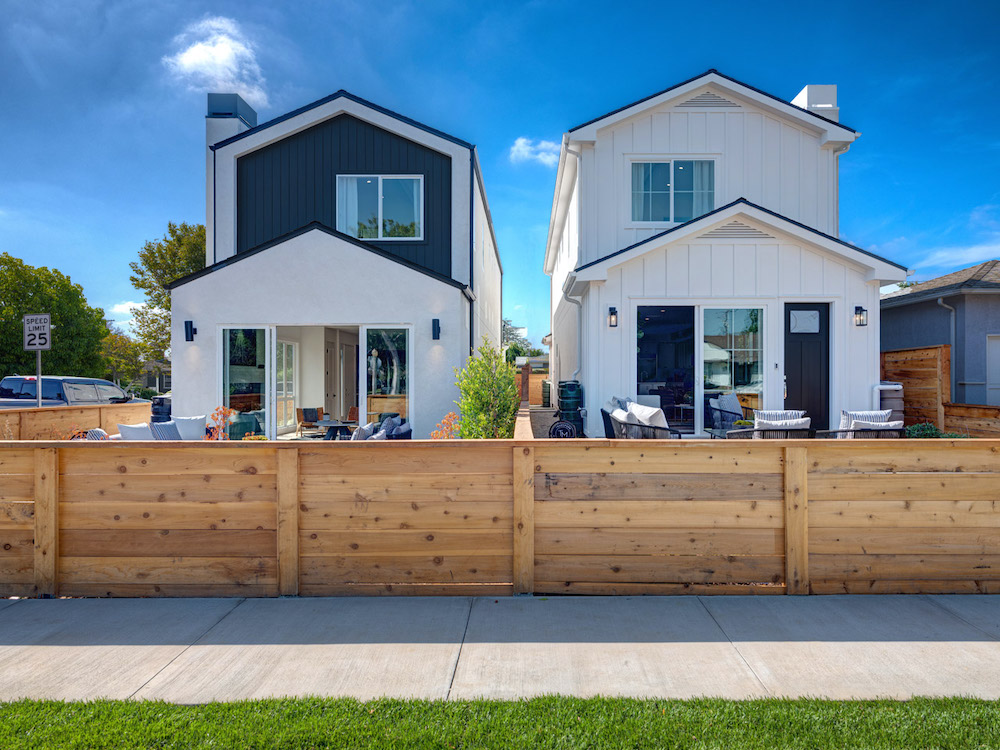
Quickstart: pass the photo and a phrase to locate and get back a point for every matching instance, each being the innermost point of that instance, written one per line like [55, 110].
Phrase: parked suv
[161, 408]
[21, 391]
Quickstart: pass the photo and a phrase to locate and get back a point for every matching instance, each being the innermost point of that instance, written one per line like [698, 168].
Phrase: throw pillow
[390, 423]
[363, 433]
[190, 428]
[380, 435]
[846, 417]
[135, 431]
[648, 415]
[403, 432]
[783, 424]
[97, 434]
[165, 430]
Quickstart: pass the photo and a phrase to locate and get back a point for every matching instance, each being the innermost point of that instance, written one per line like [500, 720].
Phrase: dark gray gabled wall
[288, 184]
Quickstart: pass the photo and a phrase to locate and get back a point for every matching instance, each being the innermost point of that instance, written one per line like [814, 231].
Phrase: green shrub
[488, 395]
[928, 430]
[145, 392]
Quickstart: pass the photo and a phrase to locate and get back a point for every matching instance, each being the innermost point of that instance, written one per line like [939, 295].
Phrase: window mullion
[379, 235]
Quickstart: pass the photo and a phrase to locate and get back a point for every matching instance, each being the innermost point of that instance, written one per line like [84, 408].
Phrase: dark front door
[807, 360]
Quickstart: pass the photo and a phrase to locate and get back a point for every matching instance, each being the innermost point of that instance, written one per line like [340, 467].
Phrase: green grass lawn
[541, 723]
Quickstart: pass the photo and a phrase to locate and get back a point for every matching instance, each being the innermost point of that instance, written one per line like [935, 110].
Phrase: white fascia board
[561, 196]
[830, 132]
[872, 267]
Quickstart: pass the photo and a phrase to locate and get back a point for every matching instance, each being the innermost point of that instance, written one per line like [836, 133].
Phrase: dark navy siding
[288, 184]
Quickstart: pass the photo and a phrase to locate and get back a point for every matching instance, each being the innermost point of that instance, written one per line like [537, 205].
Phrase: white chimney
[227, 115]
[820, 98]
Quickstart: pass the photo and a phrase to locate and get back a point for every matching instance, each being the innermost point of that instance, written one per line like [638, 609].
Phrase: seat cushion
[648, 415]
[97, 433]
[773, 415]
[783, 424]
[380, 435]
[390, 423]
[310, 415]
[190, 428]
[165, 430]
[135, 431]
[731, 402]
[846, 417]
[860, 424]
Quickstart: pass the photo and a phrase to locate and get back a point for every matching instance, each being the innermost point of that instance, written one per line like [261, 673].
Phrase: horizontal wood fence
[926, 377]
[59, 422]
[499, 517]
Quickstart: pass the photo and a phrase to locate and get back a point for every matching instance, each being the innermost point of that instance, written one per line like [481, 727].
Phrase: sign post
[38, 338]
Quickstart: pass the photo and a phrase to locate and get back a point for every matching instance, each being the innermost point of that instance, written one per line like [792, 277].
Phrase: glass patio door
[284, 386]
[665, 362]
[384, 368]
[248, 380]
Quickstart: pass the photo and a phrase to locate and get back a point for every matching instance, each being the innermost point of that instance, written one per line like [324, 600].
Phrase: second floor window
[378, 207]
[672, 191]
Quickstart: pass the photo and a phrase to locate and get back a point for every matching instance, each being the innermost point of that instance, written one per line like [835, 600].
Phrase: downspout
[579, 330]
[940, 302]
[472, 253]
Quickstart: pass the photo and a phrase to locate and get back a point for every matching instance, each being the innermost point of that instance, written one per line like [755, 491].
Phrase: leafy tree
[79, 328]
[516, 349]
[906, 284]
[179, 252]
[123, 357]
[511, 334]
[488, 395]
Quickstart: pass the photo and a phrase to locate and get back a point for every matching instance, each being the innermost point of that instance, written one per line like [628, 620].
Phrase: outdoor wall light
[189, 330]
[436, 329]
[612, 317]
[860, 316]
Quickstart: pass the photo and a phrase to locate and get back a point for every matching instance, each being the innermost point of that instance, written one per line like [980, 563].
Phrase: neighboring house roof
[721, 78]
[322, 228]
[980, 278]
[594, 269]
[342, 94]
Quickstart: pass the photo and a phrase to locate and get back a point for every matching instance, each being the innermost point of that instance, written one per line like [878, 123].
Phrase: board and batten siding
[292, 182]
[763, 273]
[760, 157]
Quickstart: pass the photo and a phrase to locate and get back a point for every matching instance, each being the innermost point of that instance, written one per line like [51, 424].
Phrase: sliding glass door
[247, 380]
[385, 370]
[665, 364]
[733, 345]
[284, 390]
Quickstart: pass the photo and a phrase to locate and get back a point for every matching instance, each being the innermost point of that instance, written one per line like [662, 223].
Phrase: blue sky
[102, 105]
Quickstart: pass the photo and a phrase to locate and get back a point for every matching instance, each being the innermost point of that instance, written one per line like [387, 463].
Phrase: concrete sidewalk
[198, 650]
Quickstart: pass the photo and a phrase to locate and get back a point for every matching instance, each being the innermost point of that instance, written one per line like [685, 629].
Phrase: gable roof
[342, 94]
[315, 225]
[981, 277]
[752, 211]
[727, 82]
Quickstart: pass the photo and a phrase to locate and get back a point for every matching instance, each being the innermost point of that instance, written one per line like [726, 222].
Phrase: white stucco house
[693, 251]
[350, 262]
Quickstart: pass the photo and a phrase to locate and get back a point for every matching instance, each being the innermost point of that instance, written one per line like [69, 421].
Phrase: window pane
[106, 392]
[52, 389]
[401, 209]
[659, 207]
[387, 373]
[665, 362]
[683, 206]
[637, 171]
[660, 176]
[81, 393]
[357, 206]
[638, 204]
[733, 357]
[746, 329]
[244, 363]
[683, 175]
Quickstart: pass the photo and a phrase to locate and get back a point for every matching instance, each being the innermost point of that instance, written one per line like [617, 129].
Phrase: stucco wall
[318, 280]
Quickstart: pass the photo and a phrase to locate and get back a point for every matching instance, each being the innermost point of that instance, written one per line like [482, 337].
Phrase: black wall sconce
[860, 316]
[612, 317]
[189, 330]
[436, 329]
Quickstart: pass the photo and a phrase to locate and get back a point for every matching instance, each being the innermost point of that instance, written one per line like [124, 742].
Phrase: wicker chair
[629, 431]
[889, 433]
[779, 434]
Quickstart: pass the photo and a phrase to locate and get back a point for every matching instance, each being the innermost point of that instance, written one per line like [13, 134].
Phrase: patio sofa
[392, 427]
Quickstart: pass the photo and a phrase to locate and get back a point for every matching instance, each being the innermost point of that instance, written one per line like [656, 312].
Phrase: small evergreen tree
[488, 395]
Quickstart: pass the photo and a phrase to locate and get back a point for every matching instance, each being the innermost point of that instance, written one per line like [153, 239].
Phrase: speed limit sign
[37, 333]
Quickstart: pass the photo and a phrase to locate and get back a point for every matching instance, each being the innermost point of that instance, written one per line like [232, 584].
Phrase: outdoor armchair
[307, 419]
[783, 433]
[887, 433]
[631, 431]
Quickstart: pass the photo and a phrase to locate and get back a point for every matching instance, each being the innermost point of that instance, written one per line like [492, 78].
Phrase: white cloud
[543, 152]
[215, 55]
[960, 256]
[122, 313]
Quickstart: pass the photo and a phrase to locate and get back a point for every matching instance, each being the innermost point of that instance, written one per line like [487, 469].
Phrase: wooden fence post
[524, 520]
[46, 521]
[288, 521]
[796, 521]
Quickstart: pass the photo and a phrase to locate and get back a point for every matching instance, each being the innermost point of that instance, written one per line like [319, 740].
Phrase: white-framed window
[381, 207]
[671, 190]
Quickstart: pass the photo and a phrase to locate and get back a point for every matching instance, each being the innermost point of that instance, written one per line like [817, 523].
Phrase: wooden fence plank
[167, 543]
[976, 586]
[160, 488]
[399, 542]
[415, 486]
[46, 561]
[648, 486]
[972, 514]
[929, 486]
[117, 589]
[410, 569]
[524, 519]
[288, 521]
[17, 514]
[901, 456]
[17, 487]
[206, 457]
[394, 515]
[124, 515]
[906, 567]
[760, 514]
[630, 456]
[389, 457]
[406, 589]
[657, 589]
[164, 570]
[659, 541]
[655, 569]
[904, 541]
[796, 521]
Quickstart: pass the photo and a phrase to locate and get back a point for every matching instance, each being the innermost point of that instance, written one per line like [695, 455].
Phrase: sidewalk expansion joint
[735, 647]
[468, 618]
[958, 617]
